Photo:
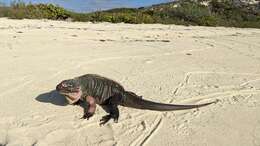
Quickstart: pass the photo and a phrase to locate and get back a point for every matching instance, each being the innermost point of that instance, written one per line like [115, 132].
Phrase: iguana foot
[115, 120]
[87, 116]
[105, 119]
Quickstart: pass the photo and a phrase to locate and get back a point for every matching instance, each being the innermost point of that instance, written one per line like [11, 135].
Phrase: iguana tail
[135, 101]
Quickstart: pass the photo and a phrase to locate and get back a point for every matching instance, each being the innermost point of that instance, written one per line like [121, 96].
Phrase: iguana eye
[64, 85]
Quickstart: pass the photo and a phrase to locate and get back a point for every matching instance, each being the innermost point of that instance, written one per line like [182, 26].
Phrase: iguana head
[70, 89]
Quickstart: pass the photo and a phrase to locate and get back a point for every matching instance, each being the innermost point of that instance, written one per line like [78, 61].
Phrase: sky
[93, 5]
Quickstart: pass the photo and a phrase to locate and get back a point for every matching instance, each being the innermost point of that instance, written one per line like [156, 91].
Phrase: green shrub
[193, 12]
[20, 10]
[124, 17]
[185, 12]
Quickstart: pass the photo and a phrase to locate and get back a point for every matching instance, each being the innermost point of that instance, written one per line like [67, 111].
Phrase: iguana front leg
[89, 107]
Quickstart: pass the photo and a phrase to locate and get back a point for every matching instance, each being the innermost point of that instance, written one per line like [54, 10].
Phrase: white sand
[197, 65]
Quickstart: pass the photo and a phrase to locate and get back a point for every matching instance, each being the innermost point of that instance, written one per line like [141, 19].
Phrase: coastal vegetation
[186, 12]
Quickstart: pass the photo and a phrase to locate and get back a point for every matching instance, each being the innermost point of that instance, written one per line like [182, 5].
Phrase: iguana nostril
[58, 87]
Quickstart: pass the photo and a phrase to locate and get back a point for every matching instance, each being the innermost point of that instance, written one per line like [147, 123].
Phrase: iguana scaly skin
[92, 89]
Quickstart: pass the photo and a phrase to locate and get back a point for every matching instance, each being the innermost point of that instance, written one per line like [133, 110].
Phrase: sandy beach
[163, 63]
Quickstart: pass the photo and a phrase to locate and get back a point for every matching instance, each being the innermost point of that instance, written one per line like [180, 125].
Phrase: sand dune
[164, 63]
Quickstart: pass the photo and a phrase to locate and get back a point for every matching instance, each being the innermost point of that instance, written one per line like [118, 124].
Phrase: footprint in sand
[74, 35]
[257, 135]
[148, 61]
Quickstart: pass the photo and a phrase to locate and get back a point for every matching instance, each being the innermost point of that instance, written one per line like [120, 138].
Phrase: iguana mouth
[72, 95]
[66, 91]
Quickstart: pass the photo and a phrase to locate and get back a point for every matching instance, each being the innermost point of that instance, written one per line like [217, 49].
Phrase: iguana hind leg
[112, 108]
[113, 114]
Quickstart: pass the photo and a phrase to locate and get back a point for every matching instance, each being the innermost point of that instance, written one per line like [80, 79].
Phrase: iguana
[92, 89]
